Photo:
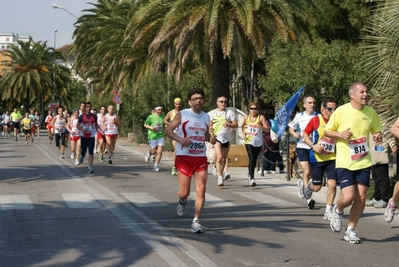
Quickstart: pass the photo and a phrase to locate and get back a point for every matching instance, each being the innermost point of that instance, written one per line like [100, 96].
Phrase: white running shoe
[327, 215]
[62, 156]
[226, 176]
[252, 183]
[196, 228]
[146, 158]
[351, 237]
[89, 170]
[220, 181]
[110, 160]
[300, 188]
[214, 170]
[77, 162]
[389, 211]
[73, 155]
[307, 193]
[156, 168]
[336, 220]
[181, 208]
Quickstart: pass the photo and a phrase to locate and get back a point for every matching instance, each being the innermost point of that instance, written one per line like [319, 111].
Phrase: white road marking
[81, 201]
[15, 202]
[212, 201]
[144, 200]
[266, 199]
[149, 239]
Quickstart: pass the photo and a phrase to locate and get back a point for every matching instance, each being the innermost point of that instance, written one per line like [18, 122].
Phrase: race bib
[358, 148]
[197, 145]
[158, 127]
[252, 129]
[328, 145]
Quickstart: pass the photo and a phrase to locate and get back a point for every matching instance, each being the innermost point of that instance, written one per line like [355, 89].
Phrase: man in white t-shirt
[296, 128]
[222, 121]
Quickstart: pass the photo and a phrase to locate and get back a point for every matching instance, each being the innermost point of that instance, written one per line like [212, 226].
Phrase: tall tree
[381, 49]
[221, 30]
[31, 72]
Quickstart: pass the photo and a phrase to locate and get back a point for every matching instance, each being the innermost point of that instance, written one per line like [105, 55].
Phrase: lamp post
[55, 42]
[66, 10]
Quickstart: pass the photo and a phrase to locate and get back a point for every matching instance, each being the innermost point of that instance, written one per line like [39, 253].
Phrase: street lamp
[59, 7]
[55, 41]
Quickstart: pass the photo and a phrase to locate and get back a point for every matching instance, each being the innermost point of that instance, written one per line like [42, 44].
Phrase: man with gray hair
[350, 125]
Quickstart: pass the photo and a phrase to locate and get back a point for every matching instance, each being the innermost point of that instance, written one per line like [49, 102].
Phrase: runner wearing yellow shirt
[350, 125]
[16, 118]
[26, 126]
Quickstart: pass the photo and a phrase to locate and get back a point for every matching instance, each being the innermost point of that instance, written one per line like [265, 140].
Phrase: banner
[284, 113]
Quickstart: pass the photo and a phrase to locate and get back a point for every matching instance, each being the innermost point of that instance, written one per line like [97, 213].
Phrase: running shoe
[311, 203]
[307, 193]
[73, 155]
[252, 183]
[89, 170]
[31, 140]
[101, 158]
[214, 170]
[371, 203]
[196, 228]
[174, 171]
[153, 158]
[95, 151]
[16, 138]
[81, 158]
[327, 215]
[300, 188]
[389, 211]
[181, 208]
[351, 237]
[220, 181]
[226, 176]
[77, 162]
[336, 220]
[380, 204]
[26, 143]
[146, 158]
[282, 171]
[62, 156]
[156, 169]
[110, 160]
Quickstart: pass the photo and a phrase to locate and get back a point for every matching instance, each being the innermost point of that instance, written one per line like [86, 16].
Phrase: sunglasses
[223, 101]
[253, 108]
[330, 109]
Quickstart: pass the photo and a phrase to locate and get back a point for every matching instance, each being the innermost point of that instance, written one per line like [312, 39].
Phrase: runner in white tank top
[100, 137]
[111, 123]
[191, 153]
[74, 136]
[59, 124]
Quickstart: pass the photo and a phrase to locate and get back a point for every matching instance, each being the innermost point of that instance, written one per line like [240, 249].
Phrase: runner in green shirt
[16, 118]
[156, 126]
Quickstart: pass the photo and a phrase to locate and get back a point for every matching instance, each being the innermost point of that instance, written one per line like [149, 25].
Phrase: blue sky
[38, 19]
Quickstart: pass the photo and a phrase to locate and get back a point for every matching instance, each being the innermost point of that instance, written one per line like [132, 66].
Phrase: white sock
[195, 219]
[350, 228]
[328, 208]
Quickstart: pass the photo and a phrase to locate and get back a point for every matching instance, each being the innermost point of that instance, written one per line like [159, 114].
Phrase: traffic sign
[117, 99]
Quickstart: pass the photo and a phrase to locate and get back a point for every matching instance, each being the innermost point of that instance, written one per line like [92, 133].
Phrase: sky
[39, 19]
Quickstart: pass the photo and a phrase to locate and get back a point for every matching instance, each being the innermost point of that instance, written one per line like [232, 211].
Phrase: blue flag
[284, 113]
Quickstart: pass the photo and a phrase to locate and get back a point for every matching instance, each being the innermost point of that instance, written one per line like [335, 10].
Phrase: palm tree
[213, 30]
[103, 50]
[30, 76]
[381, 50]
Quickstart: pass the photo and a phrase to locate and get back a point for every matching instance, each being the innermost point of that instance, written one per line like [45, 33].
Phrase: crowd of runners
[85, 130]
[334, 142]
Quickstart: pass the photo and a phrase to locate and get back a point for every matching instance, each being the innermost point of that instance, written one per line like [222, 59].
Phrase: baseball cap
[177, 100]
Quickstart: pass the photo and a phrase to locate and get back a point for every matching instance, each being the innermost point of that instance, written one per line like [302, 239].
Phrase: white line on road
[144, 200]
[15, 202]
[162, 250]
[81, 201]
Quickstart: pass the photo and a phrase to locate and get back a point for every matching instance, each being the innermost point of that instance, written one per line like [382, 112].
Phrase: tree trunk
[26, 103]
[220, 75]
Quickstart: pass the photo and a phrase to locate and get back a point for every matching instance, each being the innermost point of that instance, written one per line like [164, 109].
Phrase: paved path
[54, 214]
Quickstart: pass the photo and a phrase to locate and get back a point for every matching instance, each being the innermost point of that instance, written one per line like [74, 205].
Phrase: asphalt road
[55, 214]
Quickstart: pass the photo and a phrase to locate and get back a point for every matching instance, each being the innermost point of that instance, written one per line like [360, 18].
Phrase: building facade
[6, 40]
